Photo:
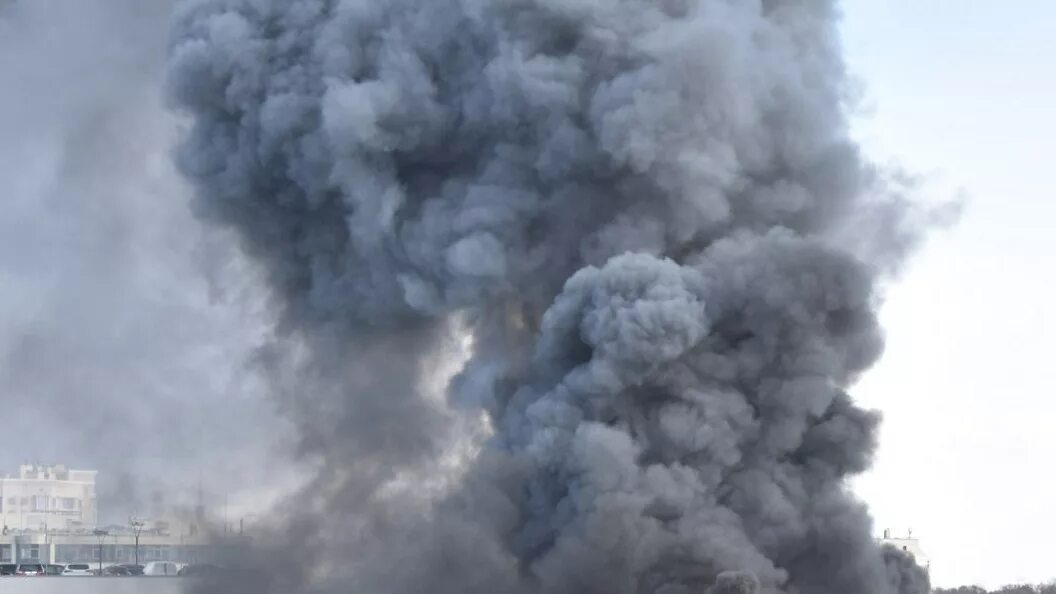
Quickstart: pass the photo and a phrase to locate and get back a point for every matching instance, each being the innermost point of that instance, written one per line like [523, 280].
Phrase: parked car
[116, 570]
[78, 569]
[30, 569]
[161, 568]
[200, 569]
[53, 569]
[132, 568]
[8, 568]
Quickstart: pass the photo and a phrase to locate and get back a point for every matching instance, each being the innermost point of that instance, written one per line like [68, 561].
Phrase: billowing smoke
[904, 573]
[650, 220]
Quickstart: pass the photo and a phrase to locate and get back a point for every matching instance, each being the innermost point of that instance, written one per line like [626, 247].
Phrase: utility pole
[137, 529]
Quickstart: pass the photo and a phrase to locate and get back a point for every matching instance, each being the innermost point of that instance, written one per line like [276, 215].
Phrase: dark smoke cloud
[904, 572]
[115, 352]
[649, 218]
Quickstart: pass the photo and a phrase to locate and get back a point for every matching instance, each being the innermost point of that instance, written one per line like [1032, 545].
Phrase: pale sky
[964, 92]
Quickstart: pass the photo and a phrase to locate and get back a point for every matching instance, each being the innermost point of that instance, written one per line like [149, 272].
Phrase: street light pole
[101, 535]
[137, 528]
[47, 512]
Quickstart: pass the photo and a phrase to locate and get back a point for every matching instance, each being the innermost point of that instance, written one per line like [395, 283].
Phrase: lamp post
[101, 535]
[250, 519]
[47, 512]
[137, 529]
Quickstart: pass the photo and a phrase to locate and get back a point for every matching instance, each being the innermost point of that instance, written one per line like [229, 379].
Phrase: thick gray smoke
[650, 219]
[902, 571]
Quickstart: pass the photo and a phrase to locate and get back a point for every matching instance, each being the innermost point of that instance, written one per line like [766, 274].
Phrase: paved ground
[90, 585]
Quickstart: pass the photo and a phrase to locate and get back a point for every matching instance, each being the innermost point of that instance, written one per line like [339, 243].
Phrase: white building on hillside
[48, 498]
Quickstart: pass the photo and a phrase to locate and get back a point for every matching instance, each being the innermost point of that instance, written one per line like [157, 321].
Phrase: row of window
[24, 552]
[40, 503]
[84, 553]
[127, 553]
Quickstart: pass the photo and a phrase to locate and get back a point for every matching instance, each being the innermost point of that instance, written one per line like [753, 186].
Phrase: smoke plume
[650, 221]
[904, 573]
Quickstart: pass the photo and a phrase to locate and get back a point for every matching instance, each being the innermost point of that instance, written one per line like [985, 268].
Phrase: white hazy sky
[964, 92]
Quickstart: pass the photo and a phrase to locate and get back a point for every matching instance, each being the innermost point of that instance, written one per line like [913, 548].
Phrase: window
[87, 553]
[29, 552]
[69, 503]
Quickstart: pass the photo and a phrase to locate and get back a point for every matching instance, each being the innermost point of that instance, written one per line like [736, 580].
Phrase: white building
[48, 498]
[49, 514]
[908, 544]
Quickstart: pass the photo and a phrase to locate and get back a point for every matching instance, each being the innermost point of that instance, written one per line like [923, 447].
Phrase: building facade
[49, 514]
[907, 544]
[117, 545]
[43, 498]
[114, 544]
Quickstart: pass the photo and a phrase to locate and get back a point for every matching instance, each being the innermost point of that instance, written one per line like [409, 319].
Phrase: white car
[77, 569]
[161, 568]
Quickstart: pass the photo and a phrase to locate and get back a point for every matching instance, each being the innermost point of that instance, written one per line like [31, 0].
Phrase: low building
[114, 544]
[49, 515]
